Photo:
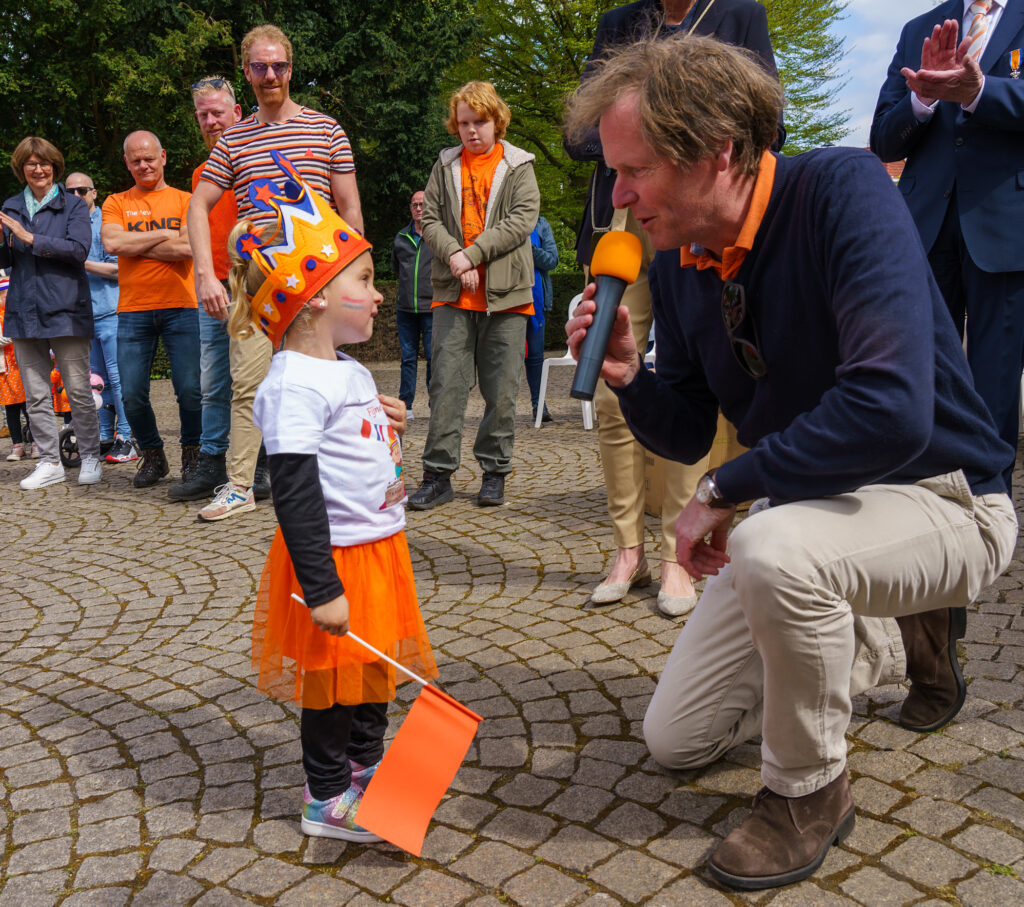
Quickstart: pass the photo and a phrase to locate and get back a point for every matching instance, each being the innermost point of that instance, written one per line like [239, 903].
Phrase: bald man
[146, 229]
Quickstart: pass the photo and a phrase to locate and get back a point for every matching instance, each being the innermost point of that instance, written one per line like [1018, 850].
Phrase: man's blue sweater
[866, 379]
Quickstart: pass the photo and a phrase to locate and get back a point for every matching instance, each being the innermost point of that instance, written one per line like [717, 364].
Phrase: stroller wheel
[68, 444]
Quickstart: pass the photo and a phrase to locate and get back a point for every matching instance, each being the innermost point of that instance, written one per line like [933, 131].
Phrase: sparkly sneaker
[228, 500]
[335, 818]
[361, 774]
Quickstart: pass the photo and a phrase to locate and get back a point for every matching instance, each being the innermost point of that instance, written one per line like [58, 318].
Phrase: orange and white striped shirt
[314, 142]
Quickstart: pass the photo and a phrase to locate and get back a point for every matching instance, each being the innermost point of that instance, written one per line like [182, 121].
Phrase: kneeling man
[794, 293]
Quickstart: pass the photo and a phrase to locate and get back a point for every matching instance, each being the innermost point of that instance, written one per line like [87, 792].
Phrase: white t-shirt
[314, 406]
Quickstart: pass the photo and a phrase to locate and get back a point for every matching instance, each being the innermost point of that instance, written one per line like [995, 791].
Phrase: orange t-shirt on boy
[144, 283]
[477, 176]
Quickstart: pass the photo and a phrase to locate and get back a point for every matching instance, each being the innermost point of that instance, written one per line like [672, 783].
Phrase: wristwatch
[708, 493]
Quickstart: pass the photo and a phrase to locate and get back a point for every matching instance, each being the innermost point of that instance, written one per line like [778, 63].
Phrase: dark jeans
[411, 326]
[14, 412]
[137, 335]
[534, 358]
[331, 737]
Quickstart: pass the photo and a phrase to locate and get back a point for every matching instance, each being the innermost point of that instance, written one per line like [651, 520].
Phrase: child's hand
[394, 409]
[332, 616]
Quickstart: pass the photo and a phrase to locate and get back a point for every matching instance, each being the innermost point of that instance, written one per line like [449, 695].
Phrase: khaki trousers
[622, 456]
[250, 361]
[801, 620]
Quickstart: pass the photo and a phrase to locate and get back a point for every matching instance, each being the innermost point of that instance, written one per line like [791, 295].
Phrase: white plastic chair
[588, 405]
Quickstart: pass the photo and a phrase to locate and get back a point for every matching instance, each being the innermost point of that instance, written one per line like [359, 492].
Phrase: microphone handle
[595, 344]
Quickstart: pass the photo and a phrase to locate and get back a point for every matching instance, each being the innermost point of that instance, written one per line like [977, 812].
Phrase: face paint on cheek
[356, 305]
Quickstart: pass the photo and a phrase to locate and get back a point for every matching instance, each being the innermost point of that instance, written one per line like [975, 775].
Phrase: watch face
[704, 490]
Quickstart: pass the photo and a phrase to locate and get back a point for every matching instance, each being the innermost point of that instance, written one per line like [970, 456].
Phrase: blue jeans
[215, 379]
[137, 335]
[411, 326]
[103, 362]
[534, 358]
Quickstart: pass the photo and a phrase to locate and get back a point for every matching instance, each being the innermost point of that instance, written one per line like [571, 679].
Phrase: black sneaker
[492, 490]
[436, 489]
[152, 467]
[261, 478]
[208, 475]
[123, 451]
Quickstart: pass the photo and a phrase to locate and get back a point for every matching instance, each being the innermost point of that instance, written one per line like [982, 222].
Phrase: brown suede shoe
[784, 839]
[937, 686]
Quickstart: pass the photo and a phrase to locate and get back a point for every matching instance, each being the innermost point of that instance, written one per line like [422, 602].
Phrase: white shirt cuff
[970, 108]
[921, 110]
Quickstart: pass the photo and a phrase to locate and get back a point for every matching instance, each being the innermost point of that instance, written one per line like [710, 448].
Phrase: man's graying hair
[693, 94]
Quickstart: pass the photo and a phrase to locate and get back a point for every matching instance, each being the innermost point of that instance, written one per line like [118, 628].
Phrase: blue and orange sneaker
[335, 818]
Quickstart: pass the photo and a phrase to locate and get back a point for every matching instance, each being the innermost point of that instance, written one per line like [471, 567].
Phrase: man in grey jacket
[410, 262]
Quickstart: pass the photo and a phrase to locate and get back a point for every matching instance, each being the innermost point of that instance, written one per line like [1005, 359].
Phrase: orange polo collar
[733, 256]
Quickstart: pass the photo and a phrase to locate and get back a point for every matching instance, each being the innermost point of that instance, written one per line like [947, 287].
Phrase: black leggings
[331, 737]
[14, 413]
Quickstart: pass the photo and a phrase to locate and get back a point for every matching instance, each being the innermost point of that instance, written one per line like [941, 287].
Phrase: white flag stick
[376, 652]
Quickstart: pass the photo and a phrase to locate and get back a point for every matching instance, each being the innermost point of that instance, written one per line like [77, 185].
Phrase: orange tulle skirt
[299, 661]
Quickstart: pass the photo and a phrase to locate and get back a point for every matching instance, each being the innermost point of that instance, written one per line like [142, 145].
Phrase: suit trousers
[250, 362]
[622, 456]
[72, 355]
[994, 308]
[800, 621]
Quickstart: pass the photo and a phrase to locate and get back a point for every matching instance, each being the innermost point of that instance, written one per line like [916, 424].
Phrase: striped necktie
[979, 25]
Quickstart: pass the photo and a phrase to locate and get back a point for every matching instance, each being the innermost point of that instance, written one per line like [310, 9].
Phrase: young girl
[335, 463]
[12, 392]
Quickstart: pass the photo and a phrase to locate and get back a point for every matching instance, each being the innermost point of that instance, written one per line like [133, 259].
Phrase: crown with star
[307, 247]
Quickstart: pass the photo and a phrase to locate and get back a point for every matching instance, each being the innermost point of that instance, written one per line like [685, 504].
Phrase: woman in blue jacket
[46, 239]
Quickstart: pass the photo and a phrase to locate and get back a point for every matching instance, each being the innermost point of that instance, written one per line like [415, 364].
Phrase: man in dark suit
[955, 110]
[739, 22]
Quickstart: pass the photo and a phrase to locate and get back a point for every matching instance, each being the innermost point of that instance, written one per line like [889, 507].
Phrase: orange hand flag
[419, 765]
[417, 769]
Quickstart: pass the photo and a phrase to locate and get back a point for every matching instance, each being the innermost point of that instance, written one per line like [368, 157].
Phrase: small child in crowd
[335, 464]
[12, 392]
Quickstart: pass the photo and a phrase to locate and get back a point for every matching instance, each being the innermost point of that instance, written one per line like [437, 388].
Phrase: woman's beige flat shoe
[676, 605]
[607, 593]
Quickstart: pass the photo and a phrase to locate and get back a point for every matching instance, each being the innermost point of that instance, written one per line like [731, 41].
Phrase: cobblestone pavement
[139, 764]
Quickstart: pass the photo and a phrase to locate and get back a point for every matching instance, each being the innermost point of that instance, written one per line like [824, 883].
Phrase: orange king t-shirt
[477, 175]
[146, 283]
[223, 217]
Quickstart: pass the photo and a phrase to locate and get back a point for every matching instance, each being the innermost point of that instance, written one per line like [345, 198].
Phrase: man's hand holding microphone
[600, 336]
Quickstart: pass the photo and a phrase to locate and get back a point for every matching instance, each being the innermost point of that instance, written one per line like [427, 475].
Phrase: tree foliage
[534, 53]
[84, 73]
[809, 57]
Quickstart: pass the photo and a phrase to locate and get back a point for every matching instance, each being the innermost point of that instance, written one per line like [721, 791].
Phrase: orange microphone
[615, 265]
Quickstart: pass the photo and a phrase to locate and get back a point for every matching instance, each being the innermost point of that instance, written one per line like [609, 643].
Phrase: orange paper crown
[313, 244]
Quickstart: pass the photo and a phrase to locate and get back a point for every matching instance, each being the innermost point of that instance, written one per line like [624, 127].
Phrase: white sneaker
[408, 415]
[228, 500]
[46, 473]
[90, 471]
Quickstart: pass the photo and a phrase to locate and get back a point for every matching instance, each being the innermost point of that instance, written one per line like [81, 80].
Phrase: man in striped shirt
[319, 149]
